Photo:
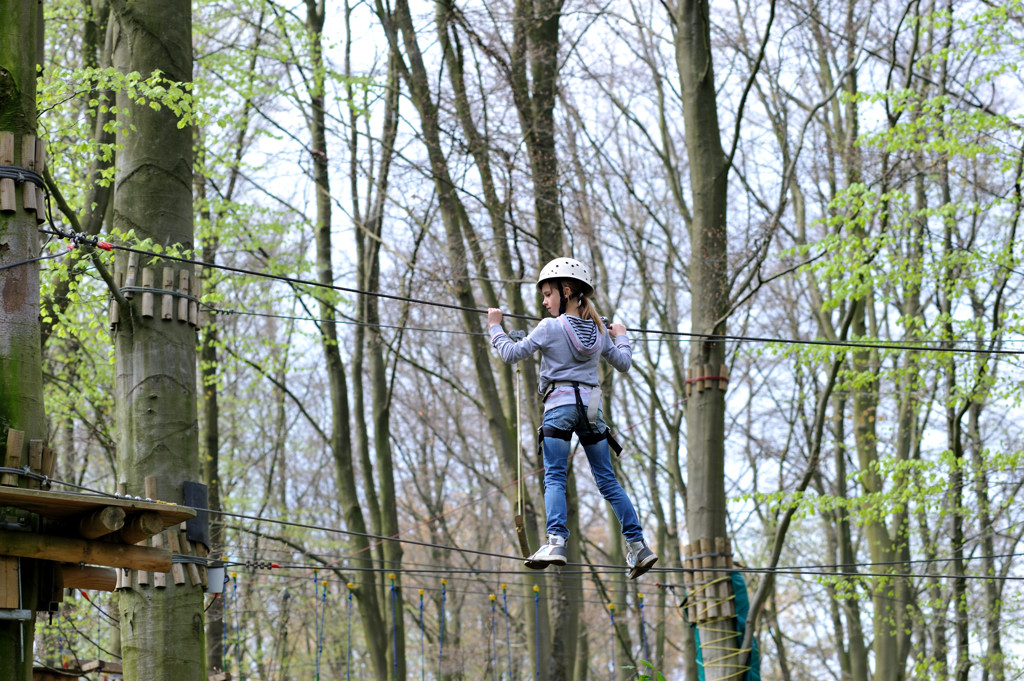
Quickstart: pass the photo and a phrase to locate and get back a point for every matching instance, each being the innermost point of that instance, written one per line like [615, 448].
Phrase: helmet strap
[561, 293]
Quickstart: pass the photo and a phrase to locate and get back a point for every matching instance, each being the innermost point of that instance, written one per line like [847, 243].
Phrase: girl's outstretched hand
[494, 316]
[617, 329]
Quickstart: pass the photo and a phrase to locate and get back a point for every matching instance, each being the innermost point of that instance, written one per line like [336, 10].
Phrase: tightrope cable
[693, 335]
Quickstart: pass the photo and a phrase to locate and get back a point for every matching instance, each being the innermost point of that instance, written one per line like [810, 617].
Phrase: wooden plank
[149, 487]
[723, 560]
[203, 552]
[35, 461]
[148, 280]
[699, 579]
[191, 568]
[706, 562]
[89, 577]
[101, 522]
[8, 200]
[132, 276]
[144, 574]
[40, 206]
[159, 578]
[167, 300]
[72, 550]
[9, 596]
[49, 461]
[183, 289]
[15, 443]
[28, 161]
[65, 505]
[140, 527]
[28, 153]
[724, 373]
[177, 571]
[115, 308]
[193, 305]
[102, 666]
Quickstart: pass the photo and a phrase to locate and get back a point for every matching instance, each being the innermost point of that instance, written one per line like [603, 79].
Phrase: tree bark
[705, 410]
[21, 377]
[162, 630]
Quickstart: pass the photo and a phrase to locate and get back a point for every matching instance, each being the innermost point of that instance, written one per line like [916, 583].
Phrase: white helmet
[567, 268]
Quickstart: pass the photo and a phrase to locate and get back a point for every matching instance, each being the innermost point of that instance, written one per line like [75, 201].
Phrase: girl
[571, 345]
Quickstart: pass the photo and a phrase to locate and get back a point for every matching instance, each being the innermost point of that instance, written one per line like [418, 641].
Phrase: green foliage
[647, 672]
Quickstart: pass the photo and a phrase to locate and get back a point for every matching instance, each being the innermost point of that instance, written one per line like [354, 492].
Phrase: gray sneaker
[552, 553]
[639, 558]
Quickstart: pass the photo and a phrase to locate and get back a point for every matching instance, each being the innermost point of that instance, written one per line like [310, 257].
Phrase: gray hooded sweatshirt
[564, 356]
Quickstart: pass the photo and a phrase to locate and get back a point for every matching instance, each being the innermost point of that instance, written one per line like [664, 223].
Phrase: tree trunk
[399, 26]
[21, 376]
[705, 411]
[155, 360]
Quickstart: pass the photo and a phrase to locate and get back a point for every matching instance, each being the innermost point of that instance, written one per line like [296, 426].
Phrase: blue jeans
[556, 465]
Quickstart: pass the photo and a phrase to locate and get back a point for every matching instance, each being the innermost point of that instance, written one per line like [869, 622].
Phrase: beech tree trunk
[162, 633]
[21, 376]
[705, 410]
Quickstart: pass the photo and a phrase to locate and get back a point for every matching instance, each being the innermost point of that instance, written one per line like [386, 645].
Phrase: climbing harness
[589, 413]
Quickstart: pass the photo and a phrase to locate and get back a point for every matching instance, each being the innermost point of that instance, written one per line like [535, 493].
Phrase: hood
[582, 350]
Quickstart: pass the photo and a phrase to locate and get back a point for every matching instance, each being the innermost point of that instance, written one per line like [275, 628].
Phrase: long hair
[586, 306]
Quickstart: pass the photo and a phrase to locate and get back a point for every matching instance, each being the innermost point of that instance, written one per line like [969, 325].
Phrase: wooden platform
[67, 506]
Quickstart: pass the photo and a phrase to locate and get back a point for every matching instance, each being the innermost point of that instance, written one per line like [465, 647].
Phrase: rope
[508, 638]
[721, 637]
[394, 621]
[520, 482]
[494, 643]
[717, 644]
[348, 650]
[440, 648]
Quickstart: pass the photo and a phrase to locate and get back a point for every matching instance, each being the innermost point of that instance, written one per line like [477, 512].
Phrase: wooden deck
[68, 506]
